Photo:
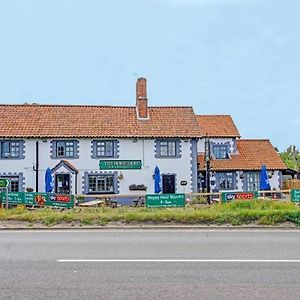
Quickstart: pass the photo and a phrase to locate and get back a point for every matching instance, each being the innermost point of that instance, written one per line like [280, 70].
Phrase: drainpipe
[37, 167]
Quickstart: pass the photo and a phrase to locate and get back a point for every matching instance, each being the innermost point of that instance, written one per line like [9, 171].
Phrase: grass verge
[235, 213]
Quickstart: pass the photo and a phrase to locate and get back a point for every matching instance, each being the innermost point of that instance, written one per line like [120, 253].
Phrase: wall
[130, 149]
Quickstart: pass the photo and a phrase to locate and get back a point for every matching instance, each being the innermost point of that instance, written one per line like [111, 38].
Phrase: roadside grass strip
[259, 212]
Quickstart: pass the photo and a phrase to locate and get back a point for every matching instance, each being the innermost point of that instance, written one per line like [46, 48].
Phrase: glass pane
[109, 183]
[60, 149]
[100, 148]
[5, 149]
[92, 184]
[172, 149]
[109, 149]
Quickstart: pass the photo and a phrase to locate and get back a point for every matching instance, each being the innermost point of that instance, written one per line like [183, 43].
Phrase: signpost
[38, 199]
[4, 184]
[295, 195]
[230, 196]
[120, 164]
[165, 200]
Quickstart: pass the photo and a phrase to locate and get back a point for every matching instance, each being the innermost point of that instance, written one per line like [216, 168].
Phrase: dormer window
[221, 151]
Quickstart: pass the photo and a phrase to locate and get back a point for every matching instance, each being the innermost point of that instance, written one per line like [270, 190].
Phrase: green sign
[4, 183]
[295, 195]
[165, 200]
[38, 199]
[230, 196]
[120, 164]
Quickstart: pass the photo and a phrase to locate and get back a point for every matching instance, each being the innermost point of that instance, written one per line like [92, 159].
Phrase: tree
[291, 157]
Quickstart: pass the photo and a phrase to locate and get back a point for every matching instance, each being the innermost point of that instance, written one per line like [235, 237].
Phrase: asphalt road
[160, 264]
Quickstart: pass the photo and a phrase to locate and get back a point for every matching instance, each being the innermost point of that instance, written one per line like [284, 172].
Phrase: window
[14, 183]
[101, 183]
[226, 181]
[104, 148]
[220, 151]
[252, 181]
[64, 149]
[10, 149]
[166, 148]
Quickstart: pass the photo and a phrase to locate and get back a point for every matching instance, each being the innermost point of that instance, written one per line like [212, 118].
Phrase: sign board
[165, 200]
[120, 164]
[183, 182]
[295, 195]
[38, 199]
[230, 196]
[4, 183]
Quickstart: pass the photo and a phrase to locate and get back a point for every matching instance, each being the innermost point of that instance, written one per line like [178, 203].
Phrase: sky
[237, 57]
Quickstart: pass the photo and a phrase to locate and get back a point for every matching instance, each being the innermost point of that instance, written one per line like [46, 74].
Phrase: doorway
[168, 184]
[62, 183]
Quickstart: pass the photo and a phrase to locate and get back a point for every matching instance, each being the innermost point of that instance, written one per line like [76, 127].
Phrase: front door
[168, 183]
[62, 183]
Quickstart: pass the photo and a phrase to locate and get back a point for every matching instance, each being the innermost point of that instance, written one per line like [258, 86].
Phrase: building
[99, 149]
[235, 163]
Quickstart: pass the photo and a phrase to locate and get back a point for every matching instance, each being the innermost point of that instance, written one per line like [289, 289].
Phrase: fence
[291, 184]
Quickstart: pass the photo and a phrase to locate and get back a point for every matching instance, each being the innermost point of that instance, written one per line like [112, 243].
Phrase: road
[150, 264]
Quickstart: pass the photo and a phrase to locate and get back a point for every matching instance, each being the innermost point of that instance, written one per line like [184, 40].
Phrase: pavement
[150, 264]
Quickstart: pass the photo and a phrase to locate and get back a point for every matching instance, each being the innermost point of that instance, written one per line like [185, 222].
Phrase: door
[62, 183]
[168, 183]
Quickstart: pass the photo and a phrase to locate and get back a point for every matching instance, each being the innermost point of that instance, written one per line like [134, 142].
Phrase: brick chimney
[141, 99]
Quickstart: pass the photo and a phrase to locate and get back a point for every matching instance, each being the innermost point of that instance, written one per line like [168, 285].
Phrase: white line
[179, 260]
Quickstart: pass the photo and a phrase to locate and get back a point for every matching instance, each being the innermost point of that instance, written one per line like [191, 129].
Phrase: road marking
[180, 260]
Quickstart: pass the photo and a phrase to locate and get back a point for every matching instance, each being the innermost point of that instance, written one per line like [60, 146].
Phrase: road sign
[4, 183]
[165, 200]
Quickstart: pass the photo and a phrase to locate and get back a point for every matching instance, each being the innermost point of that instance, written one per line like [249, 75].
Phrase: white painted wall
[139, 150]
[231, 141]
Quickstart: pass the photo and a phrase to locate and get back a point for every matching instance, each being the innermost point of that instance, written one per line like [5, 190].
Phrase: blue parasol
[157, 188]
[48, 181]
[264, 182]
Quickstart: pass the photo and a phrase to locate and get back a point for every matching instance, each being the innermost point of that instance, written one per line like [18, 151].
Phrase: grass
[235, 213]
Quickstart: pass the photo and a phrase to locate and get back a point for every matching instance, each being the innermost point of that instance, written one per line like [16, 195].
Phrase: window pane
[60, 149]
[5, 149]
[92, 184]
[69, 149]
[100, 148]
[226, 181]
[109, 184]
[109, 149]
[172, 148]
[220, 151]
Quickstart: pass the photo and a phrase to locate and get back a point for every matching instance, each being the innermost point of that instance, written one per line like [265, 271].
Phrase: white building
[99, 149]
[235, 163]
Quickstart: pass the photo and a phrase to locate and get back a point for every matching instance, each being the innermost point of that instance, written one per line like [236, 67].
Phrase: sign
[295, 195]
[4, 183]
[165, 200]
[120, 164]
[183, 182]
[38, 199]
[230, 196]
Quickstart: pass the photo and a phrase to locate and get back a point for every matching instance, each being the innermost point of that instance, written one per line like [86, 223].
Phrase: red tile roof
[217, 126]
[252, 154]
[95, 121]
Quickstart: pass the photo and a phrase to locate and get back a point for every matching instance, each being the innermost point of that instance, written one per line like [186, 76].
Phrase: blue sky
[237, 57]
